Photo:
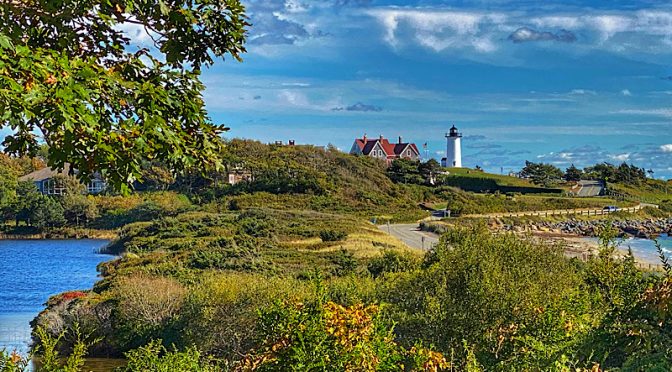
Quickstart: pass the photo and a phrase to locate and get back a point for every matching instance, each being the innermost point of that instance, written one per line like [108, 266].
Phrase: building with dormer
[381, 148]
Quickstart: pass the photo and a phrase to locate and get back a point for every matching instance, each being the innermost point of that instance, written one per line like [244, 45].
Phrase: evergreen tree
[47, 213]
[573, 174]
[541, 174]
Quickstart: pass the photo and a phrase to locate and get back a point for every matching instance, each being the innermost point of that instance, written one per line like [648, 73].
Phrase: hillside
[648, 191]
[307, 177]
[479, 181]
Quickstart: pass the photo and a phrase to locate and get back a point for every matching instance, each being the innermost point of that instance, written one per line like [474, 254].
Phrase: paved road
[590, 188]
[411, 235]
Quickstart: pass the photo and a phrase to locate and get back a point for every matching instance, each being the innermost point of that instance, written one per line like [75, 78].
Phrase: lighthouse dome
[454, 132]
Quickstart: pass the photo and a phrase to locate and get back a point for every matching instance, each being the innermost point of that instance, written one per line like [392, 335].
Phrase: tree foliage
[541, 174]
[409, 171]
[573, 174]
[69, 73]
[624, 173]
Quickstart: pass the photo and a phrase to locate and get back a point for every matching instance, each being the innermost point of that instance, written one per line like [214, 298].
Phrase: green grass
[476, 181]
[472, 203]
[501, 180]
[652, 191]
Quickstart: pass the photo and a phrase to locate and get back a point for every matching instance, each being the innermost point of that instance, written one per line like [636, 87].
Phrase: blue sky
[555, 81]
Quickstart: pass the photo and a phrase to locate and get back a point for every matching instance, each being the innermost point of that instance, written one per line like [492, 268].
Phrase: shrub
[13, 362]
[147, 308]
[220, 314]
[154, 357]
[509, 297]
[333, 235]
[345, 262]
[331, 337]
[392, 262]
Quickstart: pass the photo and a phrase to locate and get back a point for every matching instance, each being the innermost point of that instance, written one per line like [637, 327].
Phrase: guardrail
[562, 212]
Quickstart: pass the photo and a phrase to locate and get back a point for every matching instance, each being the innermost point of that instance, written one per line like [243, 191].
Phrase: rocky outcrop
[647, 229]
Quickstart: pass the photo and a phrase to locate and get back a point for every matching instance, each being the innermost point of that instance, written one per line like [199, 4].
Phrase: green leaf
[164, 8]
[5, 42]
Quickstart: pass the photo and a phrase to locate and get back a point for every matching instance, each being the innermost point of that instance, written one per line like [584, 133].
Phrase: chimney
[381, 137]
[364, 139]
[400, 140]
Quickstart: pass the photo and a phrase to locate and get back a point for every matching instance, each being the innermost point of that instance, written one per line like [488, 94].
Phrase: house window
[52, 187]
[408, 153]
[95, 186]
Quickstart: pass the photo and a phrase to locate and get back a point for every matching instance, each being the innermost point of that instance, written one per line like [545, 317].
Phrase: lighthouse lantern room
[453, 149]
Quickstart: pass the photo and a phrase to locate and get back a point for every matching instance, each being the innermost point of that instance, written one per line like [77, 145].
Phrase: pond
[33, 270]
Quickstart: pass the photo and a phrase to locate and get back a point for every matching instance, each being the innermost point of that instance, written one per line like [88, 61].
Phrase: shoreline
[64, 235]
[582, 247]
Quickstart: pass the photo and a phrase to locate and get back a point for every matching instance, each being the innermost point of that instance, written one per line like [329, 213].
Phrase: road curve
[411, 235]
[590, 188]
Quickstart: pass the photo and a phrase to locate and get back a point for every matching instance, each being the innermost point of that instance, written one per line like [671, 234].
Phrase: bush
[392, 262]
[147, 309]
[333, 235]
[154, 357]
[331, 337]
[220, 314]
[498, 293]
[345, 262]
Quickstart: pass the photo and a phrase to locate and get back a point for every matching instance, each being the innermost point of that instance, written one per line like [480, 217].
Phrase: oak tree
[71, 78]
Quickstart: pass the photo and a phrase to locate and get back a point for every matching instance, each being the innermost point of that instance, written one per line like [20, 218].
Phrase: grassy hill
[478, 181]
[307, 177]
[467, 203]
[649, 191]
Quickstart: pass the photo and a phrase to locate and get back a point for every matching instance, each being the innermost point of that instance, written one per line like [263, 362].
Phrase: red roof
[392, 150]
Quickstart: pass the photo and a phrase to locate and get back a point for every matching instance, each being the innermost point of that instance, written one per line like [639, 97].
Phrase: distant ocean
[644, 250]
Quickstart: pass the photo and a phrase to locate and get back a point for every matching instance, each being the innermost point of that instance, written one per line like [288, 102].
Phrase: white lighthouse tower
[453, 149]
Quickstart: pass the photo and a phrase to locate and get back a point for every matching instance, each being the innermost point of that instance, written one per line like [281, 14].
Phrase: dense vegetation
[476, 302]
[284, 269]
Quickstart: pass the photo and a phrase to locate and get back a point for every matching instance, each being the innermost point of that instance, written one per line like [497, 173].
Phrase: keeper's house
[382, 149]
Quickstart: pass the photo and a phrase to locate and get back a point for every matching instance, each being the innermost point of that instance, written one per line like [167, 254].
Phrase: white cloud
[582, 92]
[301, 85]
[665, 112]
[626, 92]
[438, 29]
[137, 34]
[620, 157]
[293, 98]
[484, 32]
[557, 21]
[666, 148]
[609, 25]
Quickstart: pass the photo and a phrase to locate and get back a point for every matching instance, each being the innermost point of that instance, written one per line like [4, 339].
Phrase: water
[33, 270]
[644, 250]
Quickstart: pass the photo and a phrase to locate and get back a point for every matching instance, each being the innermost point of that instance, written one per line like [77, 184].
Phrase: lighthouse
[453, 149]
